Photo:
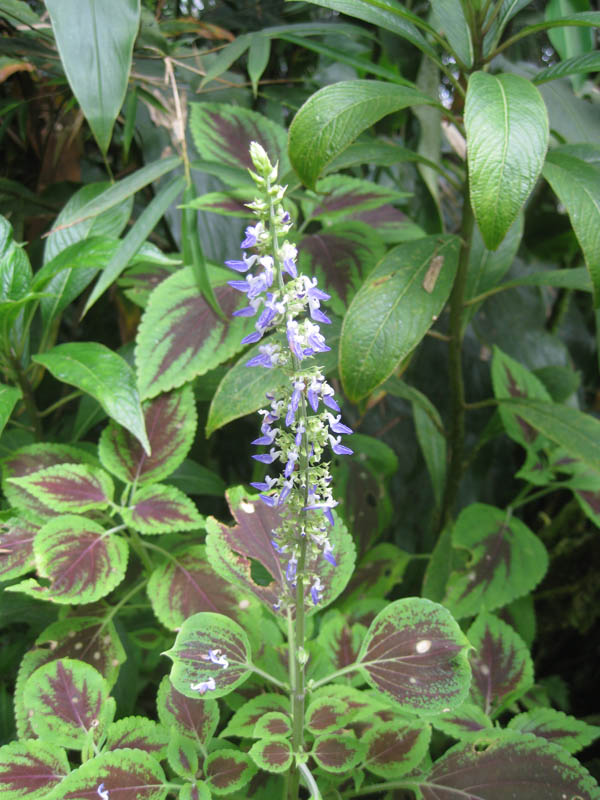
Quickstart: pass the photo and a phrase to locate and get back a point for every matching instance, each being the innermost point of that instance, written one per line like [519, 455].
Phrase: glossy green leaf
[507, 136]
[571, 41]
[96, 55]
[258, 58]
[104, 375]
[9, 397]
[449, 18]
[30, 769]
[394, 309]
[332, 118]
[273, 754]
[556, 726]
[18, 11]
[578, 65]
[230, 53]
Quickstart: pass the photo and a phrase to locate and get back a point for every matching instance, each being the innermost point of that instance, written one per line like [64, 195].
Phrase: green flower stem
[268, 677]
[328, 678]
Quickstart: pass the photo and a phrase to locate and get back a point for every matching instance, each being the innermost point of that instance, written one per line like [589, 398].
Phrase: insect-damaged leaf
[170, 421]
[16, 548]
[501, 664]
[185, 585]
[228, 770]
[68, 699]
[69, 487]
[137, 732]
[197, 719]
[30, 769]
[548, 723]
[338, 753]
[244, 720]
[181, 336]
[506, 561]
[394, 748]
[273, 754]
[124, 774]
[161, 509]
[211, 654]
[503, 763]
[415, 653]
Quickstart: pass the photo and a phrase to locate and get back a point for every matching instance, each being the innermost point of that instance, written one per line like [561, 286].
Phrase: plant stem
[139, 547]
[66, 399]
[268, 677]
[344, 671]
[28, 396]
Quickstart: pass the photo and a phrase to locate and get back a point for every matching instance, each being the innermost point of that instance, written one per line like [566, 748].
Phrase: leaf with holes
[137, 732]
[157, 508]
[228, 770]
[186, 584]
[69, 487]
[170, 421]
[506, 561]
[467, 721]
[197, 719]
[325, 715]
[273, 723]
[244, 720]
[562, 729]
[394, 748]
[339, 753]
[502, 764]
[181, 337]
[16, 547]
[211, 655]
[30, 769]
[501, 665]
[273, 754]
[415, 653]
[182, 755]
[124, 774]
[68, 699]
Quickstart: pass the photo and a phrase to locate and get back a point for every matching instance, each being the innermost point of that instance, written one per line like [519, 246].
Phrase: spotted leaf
[415, 653]
[228, 770]
[273, 754]
[170, 421]
[502, 764]
[69, 487]
[69, 700]
[394, 748]
[182, 755]
[194, 718]
[339, 753]
[211, 655]
[245, 719]
[273, 723]
[325, 715]
[548, 723]
[467, 721]
[506, 561]
[138, 732]
[30, 769]
[186, 584]
[122, 774]
[161, 509]
[181, 336]
[16, 547]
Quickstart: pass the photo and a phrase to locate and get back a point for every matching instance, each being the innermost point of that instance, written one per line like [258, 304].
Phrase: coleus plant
[344, 708]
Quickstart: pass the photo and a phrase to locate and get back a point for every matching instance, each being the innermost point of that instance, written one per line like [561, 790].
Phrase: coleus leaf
[339, 753]
[227, 771]
[382, 567]
[198, 790]
[170, 421]
[273, 754]
[502, 763]
[394, 748]
[181, 336]
[325, 715]
[16, 547]
[245, 719]
[341, 195]
[570, 733]
[197, 719]
[186, 584]
[467, 721]
[182, 755]
[415, 653]
[507, 561]
[211, 654]
[30, 769]
[29, 663]
[69, 700]
[125, 774]
[340, 640]
[69, 487]
[140, 733]
[501, 665]
[157, 508]
[273, 723]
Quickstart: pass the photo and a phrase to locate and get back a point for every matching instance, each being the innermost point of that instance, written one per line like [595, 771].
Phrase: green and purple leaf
[16, 547]
[69, 487]
[562, 729]
[415, 653]
[198, 790]
[30, 769]
[211, 655]
[137, 732]
[194, 718]
[325, 715]
[339, 753]
[506, 561]
[467, 721]
[227, 771]
[394, 748]
[341, 195]
[273, 754]
[161, 509]
[68, 699]
[245, 719]
[501, 665]
[182, 755]
[273, 723]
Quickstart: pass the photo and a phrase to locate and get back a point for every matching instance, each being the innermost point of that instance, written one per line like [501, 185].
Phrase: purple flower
[241, 286]
[268, 500]
[315, 590]
[330, 402]
[294, 340]
[268, 458]
[268, 357]
[252, 234]
[338, 448]
[253, 337]
[337, 426]
[241, 266]
[328, 550]
[290, 572]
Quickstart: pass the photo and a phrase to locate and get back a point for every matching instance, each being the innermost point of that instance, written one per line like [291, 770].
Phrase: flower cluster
[303, 419]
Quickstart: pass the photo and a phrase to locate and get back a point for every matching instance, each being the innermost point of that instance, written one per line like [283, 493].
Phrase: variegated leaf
[161, 509]
[570, 733]
[467, 721]
[228, 770]
[137, 732]
[273, 754]
[340, 640]
[197, 719]
[30, 769]
[16, 547]
[341, 195]
[339, 753]
[69, 487]
[211, 655]
[415, 653]
[182, 755]
[29, 663]
[325, 715]
[394, 748]
[170, 421]
[273, 723]
[245, 719]
[198, 790]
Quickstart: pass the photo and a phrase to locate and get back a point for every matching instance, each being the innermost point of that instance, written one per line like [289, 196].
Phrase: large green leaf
[507, 136]
[9, 396]
[332, 118]
[449, 17]
[96, 55]
[588, 62]
[569, 42]
[394, 309]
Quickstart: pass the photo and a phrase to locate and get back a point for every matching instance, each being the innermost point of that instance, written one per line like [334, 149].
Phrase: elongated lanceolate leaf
[449, 17]
[501, 664]
[69, 487]
[393, 311]
[9, 397]
[122, 774]
[137, 732]
[161, 509]
[415, 653]
[588, 62]
[506, 561]
[68, 699]
[16, 547]
[192, 717]
[211, 655]
[507, 136]
[394, 748]
[273, 754]
[503, 763]
[96, 55]
[332, 118]
[30, 769]
[104, 375]
[548, 723]
[228, 770]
